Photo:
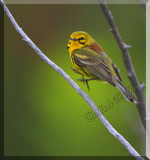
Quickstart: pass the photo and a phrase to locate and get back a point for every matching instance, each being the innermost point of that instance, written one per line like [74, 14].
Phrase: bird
[90, 61]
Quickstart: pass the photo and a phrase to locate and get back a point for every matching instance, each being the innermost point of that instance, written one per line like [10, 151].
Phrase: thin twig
[139, 88]
[118, 136]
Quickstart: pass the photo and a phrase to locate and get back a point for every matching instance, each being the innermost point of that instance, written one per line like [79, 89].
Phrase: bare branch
[109, 127]
[139, 88]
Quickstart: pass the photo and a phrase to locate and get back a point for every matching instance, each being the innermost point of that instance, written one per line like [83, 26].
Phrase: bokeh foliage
[43, 114]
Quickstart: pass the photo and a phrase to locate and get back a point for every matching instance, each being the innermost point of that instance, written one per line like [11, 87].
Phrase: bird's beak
[73, 39]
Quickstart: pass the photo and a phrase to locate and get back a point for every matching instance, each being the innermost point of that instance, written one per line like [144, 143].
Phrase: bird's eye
[82, 38]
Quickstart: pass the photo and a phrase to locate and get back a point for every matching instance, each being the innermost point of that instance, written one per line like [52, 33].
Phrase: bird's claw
[81, 80]
[84, 81]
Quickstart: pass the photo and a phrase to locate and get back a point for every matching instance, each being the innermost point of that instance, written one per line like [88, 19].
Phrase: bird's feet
[85, 81]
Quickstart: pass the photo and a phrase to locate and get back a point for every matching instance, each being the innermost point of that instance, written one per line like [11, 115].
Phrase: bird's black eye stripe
[82, 38]
[81, 42]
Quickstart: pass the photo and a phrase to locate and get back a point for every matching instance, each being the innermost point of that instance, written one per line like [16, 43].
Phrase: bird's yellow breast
[74, 45]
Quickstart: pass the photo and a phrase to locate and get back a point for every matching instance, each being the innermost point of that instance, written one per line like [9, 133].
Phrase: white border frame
[147, 2]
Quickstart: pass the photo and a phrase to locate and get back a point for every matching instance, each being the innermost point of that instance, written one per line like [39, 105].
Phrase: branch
[118, 136]
[139, 88]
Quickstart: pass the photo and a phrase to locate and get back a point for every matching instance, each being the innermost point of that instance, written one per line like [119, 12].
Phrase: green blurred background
[44, 115]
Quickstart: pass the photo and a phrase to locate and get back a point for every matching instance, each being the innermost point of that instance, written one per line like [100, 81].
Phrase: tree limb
[109, 127]
[139, 88]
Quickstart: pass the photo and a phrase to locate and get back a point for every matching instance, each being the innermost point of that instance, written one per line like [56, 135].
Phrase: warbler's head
[79, 40]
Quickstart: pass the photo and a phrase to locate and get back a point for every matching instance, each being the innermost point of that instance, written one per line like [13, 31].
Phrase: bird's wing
[116, 69]
[91, 61]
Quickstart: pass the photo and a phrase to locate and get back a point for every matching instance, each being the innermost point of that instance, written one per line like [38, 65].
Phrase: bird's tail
[126, 93]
